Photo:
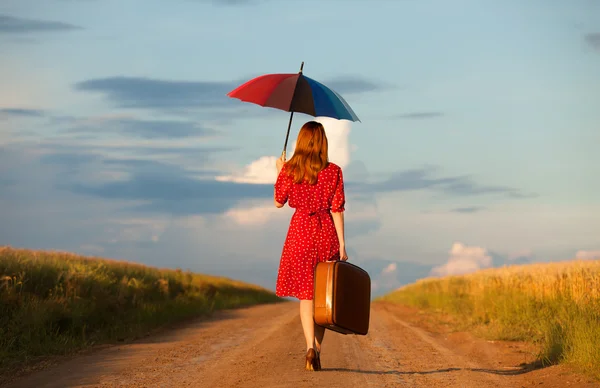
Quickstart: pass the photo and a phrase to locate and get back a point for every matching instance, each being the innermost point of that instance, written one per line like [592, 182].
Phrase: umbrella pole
[290, 123]
[287, 135]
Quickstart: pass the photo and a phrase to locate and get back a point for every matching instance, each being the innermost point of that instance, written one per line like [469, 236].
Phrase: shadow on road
[389, 372]
[505, 372]
[522, 369]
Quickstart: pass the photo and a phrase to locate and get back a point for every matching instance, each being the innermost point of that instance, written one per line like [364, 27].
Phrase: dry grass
[56, 303]
[556, 305]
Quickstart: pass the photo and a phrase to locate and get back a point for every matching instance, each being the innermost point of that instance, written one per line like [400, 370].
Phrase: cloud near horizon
[588, 255]
[463, 259]
[386, 279]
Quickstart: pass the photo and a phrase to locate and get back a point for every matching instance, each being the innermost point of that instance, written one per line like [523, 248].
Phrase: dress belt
[320, 211]
[317, 225]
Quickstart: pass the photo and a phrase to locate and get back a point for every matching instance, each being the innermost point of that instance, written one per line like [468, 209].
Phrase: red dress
[311, 236]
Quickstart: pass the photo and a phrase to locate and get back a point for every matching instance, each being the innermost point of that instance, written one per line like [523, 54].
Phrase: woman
[315, 188]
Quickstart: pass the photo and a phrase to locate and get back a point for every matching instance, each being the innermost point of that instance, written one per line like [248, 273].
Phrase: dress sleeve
[283, 186]
[339, 199]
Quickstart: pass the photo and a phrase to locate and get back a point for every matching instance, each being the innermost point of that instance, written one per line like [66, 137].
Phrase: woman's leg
[319, 334]
[308, 323]
[313, 334]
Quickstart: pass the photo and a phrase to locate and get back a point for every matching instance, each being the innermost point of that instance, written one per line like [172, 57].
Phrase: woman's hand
[279, 163]
[338, 221]
[343, 254]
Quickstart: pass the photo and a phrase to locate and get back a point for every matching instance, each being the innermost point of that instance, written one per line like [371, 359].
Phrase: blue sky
[477, 144]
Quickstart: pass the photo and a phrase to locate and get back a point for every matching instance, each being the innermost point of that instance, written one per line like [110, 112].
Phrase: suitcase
[342, 297]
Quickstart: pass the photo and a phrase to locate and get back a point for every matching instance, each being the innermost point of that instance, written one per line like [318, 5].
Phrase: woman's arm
[279, 184]
[337, 212]
[279, 163]
[338, 221]
[277, 204]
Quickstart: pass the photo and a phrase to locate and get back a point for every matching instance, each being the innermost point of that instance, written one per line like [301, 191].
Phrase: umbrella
[294, 92]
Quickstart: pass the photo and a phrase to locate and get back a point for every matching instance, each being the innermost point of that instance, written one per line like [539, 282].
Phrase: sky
[477, 144]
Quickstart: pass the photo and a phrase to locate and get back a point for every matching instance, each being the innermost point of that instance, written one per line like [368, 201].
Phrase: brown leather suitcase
[342, 297]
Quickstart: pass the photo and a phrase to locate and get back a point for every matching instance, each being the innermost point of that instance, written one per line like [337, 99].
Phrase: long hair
[310, 155]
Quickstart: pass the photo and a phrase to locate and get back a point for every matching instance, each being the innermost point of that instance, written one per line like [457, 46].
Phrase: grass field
[55, 303]
[556, 305]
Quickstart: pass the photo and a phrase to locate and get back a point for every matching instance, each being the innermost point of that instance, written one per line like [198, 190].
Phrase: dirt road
[264, 347]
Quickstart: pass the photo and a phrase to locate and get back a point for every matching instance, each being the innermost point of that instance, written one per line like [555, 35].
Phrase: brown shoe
[311, 356]
[317, 364]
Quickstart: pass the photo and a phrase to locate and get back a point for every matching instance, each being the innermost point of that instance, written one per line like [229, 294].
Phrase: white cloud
[259, 171]
[262, 170]
[387, 279]
[255, 215]
[587, 255]
[391, 268]
[463, 259]
[338, 136]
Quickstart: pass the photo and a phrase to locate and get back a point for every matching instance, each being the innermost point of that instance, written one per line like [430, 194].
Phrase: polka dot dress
[311, 236]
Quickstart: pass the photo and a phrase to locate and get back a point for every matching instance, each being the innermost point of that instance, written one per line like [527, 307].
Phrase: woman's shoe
[311, 355]
[317, 364]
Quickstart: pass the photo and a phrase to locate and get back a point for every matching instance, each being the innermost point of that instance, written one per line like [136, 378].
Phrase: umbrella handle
[287, 135]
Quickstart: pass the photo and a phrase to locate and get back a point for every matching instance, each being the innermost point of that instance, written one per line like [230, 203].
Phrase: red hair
[310, 154]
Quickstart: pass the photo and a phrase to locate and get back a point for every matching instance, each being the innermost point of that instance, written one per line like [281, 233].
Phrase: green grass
[556, 306]
[55, 303]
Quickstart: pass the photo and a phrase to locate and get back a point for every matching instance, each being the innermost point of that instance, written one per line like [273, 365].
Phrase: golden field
[55, 303]
[556, 305]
